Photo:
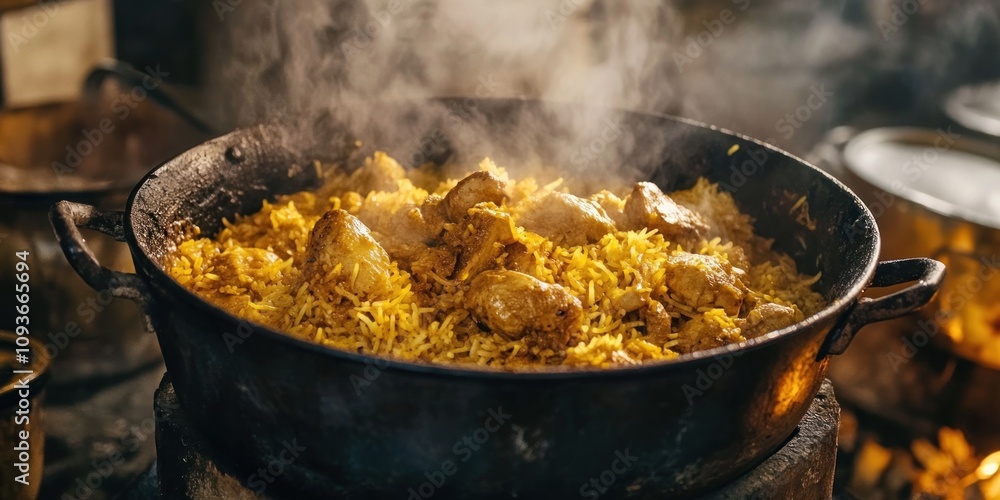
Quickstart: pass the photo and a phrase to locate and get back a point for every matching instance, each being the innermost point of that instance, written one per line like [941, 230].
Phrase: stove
[189, 466]
[922, 414]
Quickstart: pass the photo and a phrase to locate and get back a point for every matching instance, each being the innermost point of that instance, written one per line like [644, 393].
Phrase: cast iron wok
[373, 428]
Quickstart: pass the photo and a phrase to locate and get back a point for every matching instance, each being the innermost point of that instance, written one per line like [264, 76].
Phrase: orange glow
[989, 466]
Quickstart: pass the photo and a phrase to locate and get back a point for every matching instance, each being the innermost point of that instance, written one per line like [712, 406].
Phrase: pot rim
[159, 280]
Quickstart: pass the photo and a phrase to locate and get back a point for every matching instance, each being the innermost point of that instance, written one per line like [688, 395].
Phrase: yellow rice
[251, 268]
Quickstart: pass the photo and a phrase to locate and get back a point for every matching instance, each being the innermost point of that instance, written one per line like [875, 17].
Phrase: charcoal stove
[896, 393]
[189, 466]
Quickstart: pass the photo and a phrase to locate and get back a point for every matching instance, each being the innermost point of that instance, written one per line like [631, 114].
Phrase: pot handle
[66, 218]
[928, 274]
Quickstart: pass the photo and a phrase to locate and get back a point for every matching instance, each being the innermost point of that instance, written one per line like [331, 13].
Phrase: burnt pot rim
[154, 274]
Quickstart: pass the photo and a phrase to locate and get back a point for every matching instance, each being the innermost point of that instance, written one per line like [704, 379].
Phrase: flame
[989, 466]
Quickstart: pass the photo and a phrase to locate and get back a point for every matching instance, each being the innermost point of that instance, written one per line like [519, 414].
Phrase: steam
[326, 58]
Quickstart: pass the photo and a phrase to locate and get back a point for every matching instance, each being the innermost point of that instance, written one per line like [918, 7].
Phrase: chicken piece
[395, 231]
[434, 213]
[767, 318]
[519, 258]
[566, 219]
[379, 173]
[406, 231]
[648, 207]
[705, 332]
[704, 281]
[474, 189]
[630, 300]
[492, 230]
[612, 205]
[717, 207]
[340, 238]
[658, 323]
[517, 306]
[438, 260]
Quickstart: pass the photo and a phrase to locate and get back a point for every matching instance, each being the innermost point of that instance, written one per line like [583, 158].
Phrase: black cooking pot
[340, 424]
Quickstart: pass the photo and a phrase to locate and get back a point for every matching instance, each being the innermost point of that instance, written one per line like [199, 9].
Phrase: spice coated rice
[628, 285]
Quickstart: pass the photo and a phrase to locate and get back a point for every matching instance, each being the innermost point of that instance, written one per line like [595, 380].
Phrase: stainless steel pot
[935, 193]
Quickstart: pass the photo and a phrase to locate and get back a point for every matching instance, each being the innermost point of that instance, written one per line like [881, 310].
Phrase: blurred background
[96, 92]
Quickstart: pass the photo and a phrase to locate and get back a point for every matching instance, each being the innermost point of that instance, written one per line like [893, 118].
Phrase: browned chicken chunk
[648, 207]
[657, 323]
[767, 318]
[474, 189]
[434, 213]
[704, 332]
[408, 229]
[394, 230]
[630, 300]
[612, 205]
[519, 258]
[704, 281]
[491, 231]
[517, 305]
[340, 238]
[566, 219]
[438, 260]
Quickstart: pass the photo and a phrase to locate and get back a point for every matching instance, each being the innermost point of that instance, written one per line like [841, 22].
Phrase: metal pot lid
[976, 107]
[939, 169]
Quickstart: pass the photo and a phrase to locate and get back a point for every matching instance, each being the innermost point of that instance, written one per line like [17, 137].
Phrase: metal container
[93, 152]
[22, 431]
[976, 107]
[936, 193]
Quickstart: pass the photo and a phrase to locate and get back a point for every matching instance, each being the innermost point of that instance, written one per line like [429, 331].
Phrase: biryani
[495, 271]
